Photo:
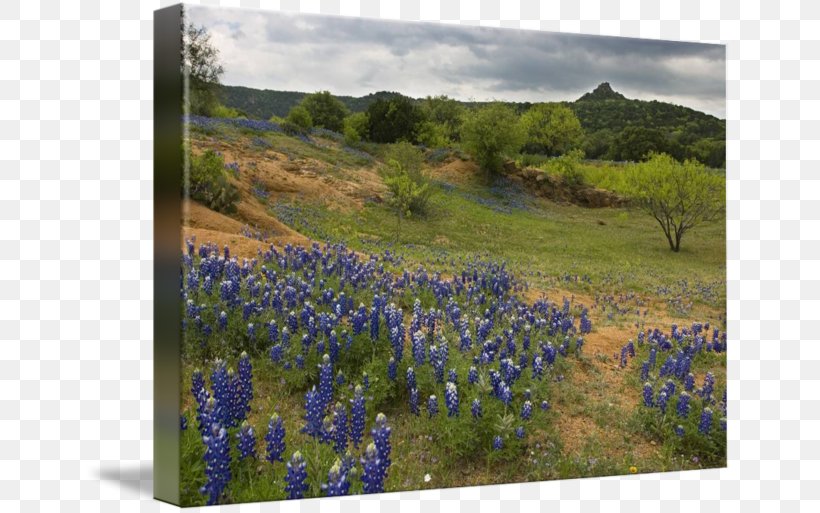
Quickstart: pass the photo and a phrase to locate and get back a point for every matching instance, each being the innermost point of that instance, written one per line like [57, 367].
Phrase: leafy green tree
[209, 184]
[636, 143]
[551, 128]
[404, 192]
[200, 64]
[355, 128]
[492, 133]
[325, 110]
[446, 115]
[298, 121]
[410, 160]
[679, 196]
[393, 120]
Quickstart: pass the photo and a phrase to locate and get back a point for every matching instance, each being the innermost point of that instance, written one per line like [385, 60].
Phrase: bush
[405, 158]
[568, 166]
[355, 128]
[492, 133]
[209, 184]
[298, 121]
[325, 110]
[393, 120]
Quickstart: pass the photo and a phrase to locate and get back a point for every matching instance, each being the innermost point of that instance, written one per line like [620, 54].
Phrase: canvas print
[417, 255]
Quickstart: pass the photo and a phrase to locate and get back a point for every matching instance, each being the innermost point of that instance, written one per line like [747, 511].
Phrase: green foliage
[568, 166]
[221, 111]
[492, 133]
[200, 63]
[406, 195]
[393, 120]
[209, 184]
[679, 196]
[298, 121]
[636, 143]
[432, 135]
[355, 128]
[552, 128]
[446, 115]
[408, 157]
[325, 110]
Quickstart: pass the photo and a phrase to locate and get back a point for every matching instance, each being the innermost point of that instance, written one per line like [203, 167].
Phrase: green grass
[616, 248]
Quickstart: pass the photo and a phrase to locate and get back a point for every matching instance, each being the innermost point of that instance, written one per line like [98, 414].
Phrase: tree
[355, 127]
[551, 128]
[679, 196]
[325, 110]
[445, 114]
[636, 143]
[200, 64]
[409, 159]
[404, 191]
[490, 134]
[298, 121]
[393, 120]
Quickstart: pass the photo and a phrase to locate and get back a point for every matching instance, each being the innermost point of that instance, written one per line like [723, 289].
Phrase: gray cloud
[354, 56]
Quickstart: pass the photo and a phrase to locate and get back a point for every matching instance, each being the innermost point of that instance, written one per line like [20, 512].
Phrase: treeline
[603, 124]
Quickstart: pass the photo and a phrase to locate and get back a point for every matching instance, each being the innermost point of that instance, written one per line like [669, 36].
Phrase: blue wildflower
[339, 428]
[498, 443]
[648, 395]
[526, 410]
[432, 406]
[372, 471]
[705, 424]
[275, 439]
[357, 415]
[337, 481]
[683, 405]
[296, 476]
[313, 413]
[217, 463]
[451, 399]
[247, 441]
[475, 408]
[519, 432]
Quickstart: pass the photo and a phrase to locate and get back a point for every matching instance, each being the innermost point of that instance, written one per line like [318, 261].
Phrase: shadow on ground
[136, 477]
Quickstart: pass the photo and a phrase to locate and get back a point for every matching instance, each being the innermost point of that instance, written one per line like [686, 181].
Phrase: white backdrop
[76, 255]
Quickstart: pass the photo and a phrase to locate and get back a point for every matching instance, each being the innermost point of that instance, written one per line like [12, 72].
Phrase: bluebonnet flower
[705, 421]
[669, 387]
[300, 361]
[220, 384]
[418, 342]
[451, 399]
[689, 382]
[340, 379]
[537, 367]
[498, 443]
[275, 439]
[648, 395]
[296, 476]
[327, 434]
[365, 381]
[276, 353]
[247, 441]
[432, 406]
[723, 423]
[392, 369]
[339, 428]
[292, 322]
[183, 423]
[663, 399]
[708, 386]
[325, 382]
[452, 376]
[519, 432]
[683, 405]
[337, 481]
[414, 401]
[372, 471]
[545, 405]
[645, 371]
[217, 463]
[411, 378]
[245, 384]
[333, 346]
[223, 321]
[476, 409]
[357, 415]
[273, 331]
[381, 438]
[504, 393]
[313, 413]
[526, 410]
[472, 375]
[679, 430]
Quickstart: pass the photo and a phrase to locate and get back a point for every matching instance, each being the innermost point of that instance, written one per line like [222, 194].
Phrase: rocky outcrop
[553, 188]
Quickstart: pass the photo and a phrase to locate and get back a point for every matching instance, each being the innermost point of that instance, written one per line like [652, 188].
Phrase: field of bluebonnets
[499, 338]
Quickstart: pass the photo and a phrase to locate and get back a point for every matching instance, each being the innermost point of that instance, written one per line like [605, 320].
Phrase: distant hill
[617, 127]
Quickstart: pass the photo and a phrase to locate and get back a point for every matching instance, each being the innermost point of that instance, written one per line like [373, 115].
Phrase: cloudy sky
[353, 56]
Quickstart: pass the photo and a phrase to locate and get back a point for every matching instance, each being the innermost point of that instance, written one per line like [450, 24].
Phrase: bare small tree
[679, 196]
[200, 64]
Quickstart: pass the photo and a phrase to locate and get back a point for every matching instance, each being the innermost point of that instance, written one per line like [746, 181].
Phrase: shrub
[209, 184]
[396, 119]
[325, 110]
[405, 158]
[568, 166]
[492, 133]
[355, 127]
[298, 121]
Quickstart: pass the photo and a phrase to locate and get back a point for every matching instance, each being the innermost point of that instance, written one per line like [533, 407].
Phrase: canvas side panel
[167, 243]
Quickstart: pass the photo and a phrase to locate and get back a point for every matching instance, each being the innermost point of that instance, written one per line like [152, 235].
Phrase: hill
[616, 127]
